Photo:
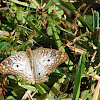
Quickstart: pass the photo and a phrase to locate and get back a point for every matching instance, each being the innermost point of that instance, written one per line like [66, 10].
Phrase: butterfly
[33, 65]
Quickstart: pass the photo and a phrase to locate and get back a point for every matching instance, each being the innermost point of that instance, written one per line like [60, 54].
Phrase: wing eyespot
[39, 73]
[48, 60]
[17, 65]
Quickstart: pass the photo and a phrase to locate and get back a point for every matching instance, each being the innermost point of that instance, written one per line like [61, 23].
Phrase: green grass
[67, 29]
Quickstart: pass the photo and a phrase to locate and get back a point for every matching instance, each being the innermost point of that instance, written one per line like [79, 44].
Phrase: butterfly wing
[17, 64]
[45, 60]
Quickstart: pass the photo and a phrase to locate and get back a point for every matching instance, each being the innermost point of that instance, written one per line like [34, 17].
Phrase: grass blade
[78, 77]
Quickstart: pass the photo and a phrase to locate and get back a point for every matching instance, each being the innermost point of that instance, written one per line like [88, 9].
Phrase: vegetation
[69, 25]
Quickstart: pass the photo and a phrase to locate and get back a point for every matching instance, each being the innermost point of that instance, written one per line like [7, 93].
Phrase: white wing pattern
[43, 61]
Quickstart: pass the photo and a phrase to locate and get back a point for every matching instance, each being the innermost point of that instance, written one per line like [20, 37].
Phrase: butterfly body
[33, 66]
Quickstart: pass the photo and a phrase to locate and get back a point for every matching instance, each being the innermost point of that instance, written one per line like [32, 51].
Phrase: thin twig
[12, 13]
[96, 92]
